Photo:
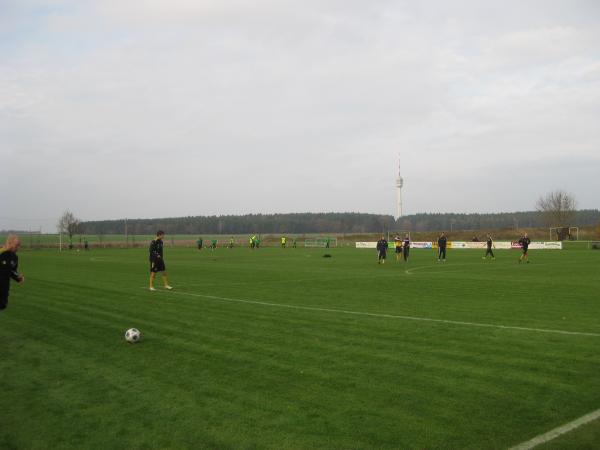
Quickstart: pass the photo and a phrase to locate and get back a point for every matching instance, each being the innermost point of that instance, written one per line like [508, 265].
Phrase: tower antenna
[399, 185]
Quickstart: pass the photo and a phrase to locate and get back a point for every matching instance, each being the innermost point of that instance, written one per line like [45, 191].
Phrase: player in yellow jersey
[398, 245]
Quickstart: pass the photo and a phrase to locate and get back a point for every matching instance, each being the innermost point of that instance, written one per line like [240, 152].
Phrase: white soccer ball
[133, 335]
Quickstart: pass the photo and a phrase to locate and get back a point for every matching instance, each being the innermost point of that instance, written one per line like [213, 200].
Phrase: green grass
[282, 372]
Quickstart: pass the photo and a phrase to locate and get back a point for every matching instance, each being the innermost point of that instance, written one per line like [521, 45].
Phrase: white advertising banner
[500, 245]
[421, 245]
[460, 244]
[366, 245]
[552, 245]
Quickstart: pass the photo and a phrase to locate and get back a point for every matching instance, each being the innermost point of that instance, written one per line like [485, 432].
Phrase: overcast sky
[148, 108]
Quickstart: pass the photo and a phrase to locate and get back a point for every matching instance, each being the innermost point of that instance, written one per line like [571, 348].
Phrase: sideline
[385, 316]
[556, 432]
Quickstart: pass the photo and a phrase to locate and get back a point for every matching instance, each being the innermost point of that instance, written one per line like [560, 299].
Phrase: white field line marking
[387, 316]
[553, 434]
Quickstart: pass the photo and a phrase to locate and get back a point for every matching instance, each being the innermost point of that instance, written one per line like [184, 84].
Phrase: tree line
[349, 223]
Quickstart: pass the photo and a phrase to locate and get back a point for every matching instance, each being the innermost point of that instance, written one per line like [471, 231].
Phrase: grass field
[287, 349]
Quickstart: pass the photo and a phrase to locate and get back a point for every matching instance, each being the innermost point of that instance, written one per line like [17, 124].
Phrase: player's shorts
[157, 266]
[525, 250]
[398, 249]
[382, 254]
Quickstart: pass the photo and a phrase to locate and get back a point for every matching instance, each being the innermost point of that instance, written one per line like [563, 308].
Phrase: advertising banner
[537, 245]
[460, 244]
[366, 245]
[504, 245]
[553, 245]
[421, 245]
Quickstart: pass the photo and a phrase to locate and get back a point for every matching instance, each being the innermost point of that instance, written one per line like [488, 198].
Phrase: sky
[148, 108]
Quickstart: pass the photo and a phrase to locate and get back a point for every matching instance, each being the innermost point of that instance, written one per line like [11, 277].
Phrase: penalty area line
[556, 432]
[385, 316]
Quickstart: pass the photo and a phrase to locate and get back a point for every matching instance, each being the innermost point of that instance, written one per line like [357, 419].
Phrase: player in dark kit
[490, 243]
[382, 246]
[442, 242]
[157, 263]
[9, 263]
[524, 241]
[406, 247]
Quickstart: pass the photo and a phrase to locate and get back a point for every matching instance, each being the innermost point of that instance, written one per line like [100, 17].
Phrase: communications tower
[399, 184]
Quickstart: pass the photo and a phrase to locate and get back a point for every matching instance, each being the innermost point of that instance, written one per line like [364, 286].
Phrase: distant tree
[68, 224]
[558, 208]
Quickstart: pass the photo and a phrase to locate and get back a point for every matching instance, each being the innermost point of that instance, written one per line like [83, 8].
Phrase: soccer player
[86, 245]
[490, 243]
[157, 263]
[213, 244]
[524, 241]
[382, 246]
[406, 247]
[294, 243]
[283, 241]
[398, 245]
[199, 243]
[442, 242]
[231, 242]
[9, 263]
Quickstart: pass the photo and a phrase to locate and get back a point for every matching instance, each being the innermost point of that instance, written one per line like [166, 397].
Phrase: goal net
[564, 233]
[326, 242]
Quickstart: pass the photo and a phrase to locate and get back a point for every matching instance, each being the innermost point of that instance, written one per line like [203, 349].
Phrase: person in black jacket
[406, 247]
[524, 241]
[157, 263]
[442, 242]
[382, 246]
[9, 264]
[489, 243]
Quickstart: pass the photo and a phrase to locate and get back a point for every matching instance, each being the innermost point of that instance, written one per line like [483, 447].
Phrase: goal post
[564, 233]
[321, 242]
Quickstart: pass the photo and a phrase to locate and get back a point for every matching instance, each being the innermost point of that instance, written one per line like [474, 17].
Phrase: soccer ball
[133, 335]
